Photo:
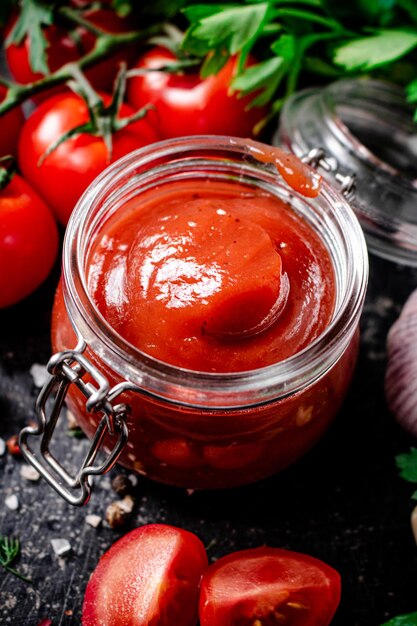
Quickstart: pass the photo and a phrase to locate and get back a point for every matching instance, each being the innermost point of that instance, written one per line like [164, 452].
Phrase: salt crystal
[12, 502]
[29, 473]
[93, 520]
[61, 547]
[2, 447]
[39, 374]
[133, 479]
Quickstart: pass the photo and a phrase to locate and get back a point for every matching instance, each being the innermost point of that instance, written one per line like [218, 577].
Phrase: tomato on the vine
[66, 46]
[188, 105]
[64, 174]
[268, 586]
[28, 241]
[150, 576]
[10, 124]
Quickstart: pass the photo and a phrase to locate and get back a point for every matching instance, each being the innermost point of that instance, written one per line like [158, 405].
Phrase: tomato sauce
[213, 277]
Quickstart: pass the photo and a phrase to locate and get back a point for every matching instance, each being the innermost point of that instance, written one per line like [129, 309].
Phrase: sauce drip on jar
[298, 175]
[214, 276]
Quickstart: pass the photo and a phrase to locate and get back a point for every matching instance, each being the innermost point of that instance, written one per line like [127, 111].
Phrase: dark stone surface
[343, 503]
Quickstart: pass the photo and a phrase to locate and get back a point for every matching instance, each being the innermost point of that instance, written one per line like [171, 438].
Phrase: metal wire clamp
[68, 368]
[316, 157]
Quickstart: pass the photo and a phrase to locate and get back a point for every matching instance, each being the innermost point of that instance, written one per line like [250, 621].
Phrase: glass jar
[365, 127]
[188, 428]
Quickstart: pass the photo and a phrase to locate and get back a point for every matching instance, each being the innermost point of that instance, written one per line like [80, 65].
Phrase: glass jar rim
[206, 389]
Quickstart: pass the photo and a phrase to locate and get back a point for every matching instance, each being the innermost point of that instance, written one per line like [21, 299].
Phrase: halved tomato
[268, 587]
[151, 576]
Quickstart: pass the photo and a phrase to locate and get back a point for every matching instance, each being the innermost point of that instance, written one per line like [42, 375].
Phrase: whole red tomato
[187, 105]
[28, 241]
[10, 124]
[268, 586]
[65, 47]
[65, 173]
[150, 576]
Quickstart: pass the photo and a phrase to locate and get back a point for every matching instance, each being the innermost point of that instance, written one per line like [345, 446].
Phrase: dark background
[343, 503]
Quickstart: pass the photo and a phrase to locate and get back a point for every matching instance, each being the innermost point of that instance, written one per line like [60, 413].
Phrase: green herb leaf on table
[9, 551]
[403, 620]
[381, 48]
[34, 14]
[407, 464]
[411, 91]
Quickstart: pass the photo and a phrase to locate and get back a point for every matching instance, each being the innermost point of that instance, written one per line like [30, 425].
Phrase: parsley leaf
[411, 91]
[229, 27]
[264, 77]
[403, 620]
[34, 14]
[407, 463]
[367, 53]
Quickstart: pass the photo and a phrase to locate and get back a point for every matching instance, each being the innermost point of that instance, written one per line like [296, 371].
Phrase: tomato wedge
[268, 587]
[151, 576]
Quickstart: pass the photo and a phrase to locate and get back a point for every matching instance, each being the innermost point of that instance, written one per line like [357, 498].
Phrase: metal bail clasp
[69, 368]
[316, 157]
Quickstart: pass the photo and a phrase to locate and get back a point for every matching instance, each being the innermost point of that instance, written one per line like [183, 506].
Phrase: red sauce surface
[212, 277]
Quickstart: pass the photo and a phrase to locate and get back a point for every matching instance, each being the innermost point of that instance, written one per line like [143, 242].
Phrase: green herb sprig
[403, 620]
[296, 40]
[9, 551]
[407, 464]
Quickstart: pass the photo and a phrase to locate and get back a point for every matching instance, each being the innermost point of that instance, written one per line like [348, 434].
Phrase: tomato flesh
[188, 105]
[150, 576]
[268, 587]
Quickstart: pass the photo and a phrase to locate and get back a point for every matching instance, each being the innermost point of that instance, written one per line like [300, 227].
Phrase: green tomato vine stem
[105, 45]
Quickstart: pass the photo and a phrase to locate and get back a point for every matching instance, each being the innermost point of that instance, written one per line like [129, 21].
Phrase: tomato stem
[76, 18]
[103, 120]
[8, 168]
[105, 45]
